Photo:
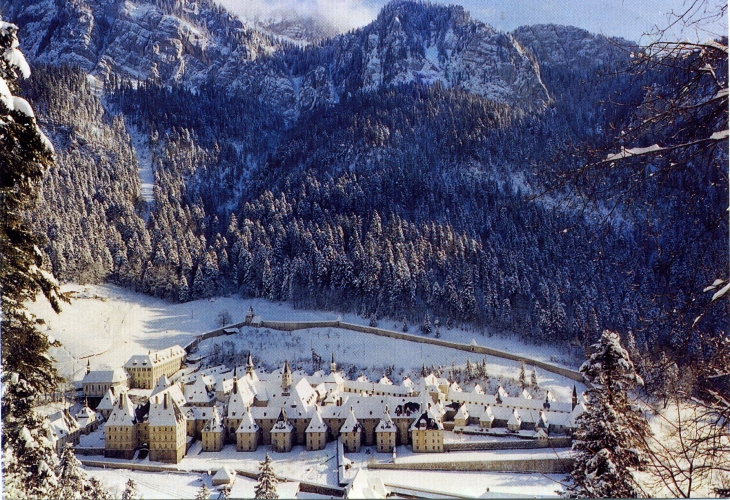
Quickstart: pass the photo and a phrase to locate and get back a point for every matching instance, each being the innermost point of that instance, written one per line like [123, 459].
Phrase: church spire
[286, 376]
[249, 364]
[333, 365]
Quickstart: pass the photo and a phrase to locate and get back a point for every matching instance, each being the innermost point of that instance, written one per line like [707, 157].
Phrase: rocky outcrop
[195, 42]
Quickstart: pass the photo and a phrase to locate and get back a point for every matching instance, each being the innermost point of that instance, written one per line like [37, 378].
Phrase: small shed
[224, 477]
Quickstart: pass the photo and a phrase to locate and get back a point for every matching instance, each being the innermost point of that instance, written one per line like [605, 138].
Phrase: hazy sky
[625, 18]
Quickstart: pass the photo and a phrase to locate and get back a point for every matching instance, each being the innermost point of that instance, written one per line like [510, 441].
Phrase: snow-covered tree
[203, 492]
[130, 490]
[426, 325]
[266, 485]
[72, 480]
[29, 458]
[533, 378]
[608, 441]
[522, 377]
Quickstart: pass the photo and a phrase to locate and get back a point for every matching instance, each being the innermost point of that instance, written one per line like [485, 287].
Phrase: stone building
[427, 433]
[282, 434]
[248, 434]
[96, 383]
[120, 431]
[167, 436]
[351, 433]
[316, 432]
[213, 434]
[146, 369]
[386, 434]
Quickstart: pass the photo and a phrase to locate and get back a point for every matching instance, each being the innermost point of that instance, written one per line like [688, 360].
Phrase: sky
[629, 19]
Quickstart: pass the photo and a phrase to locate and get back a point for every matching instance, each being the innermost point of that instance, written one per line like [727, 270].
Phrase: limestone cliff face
[196, 42]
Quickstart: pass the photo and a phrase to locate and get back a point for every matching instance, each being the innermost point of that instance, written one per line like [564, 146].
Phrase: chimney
[164, 401]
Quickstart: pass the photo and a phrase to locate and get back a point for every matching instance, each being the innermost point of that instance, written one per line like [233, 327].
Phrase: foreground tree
[266, 486]
[29, 462]
[609, 437]
[31, 468]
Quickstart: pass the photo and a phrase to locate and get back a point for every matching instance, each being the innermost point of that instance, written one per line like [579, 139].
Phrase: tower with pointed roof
[249, 365]
[213, 434]
[333, 365]
[286, 378]
[575, 397]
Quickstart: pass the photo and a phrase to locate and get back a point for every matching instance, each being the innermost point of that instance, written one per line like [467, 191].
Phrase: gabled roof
[427, 421]
[316, 424]
[107, 402]
[106, 376]
[248, 424]
[515, 419]
[215, 424]
[351, 424]
[487, 415]
[386, 423]
[164, 411]
[123, 413]
[462, 413]
[197, 393]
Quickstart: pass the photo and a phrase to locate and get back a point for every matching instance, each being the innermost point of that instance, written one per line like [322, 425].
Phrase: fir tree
[29, 460]
[266, 486]
[522, 377]
[608, 439]
[130, 490]
[533, 378]
[426, 325]
[203, 493]
[405, 325]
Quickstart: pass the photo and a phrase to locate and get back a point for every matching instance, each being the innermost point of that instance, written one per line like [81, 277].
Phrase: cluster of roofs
[218, 406]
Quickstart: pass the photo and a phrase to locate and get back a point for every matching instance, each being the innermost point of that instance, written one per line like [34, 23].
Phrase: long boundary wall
[528, 444]
[535, 465]
[290, 326]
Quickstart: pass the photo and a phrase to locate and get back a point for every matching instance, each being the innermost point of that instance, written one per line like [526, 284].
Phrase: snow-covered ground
[107, 324]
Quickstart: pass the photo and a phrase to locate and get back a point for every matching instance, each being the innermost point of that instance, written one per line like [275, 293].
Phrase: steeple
[249, 364]
[333, 365]
[286, 376]
[88, 366]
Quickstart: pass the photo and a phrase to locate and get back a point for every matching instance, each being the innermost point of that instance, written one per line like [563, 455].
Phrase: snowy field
[107, 324]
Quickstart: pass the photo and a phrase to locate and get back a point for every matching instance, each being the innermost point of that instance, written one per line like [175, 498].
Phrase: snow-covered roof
[427, 421]
[351, 424]
[248, 424]
[107, 402]
[86, 416]
[525, 394]
[215, 424]
[155, 358]
[164, 411]
[224, 475]
[463, 413]
[165, 387]
[123, 413]
[386, 423]
[316, 424]
[239, 400]
[197, 393]
[515, 419]
[106, 376]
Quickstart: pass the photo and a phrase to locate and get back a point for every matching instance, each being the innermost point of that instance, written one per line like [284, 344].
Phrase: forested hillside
[421, 165]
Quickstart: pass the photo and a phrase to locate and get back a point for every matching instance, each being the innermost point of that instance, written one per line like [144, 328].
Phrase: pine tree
[29, 460]
[523, 377]
[72, 480]
[130, 490]
[266, 486]
[405, 325]
[608, 439]
[203, 493]
[533, 378]
[426, 325]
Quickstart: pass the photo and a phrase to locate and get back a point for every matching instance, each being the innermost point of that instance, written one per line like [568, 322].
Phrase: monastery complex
[160, 404]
